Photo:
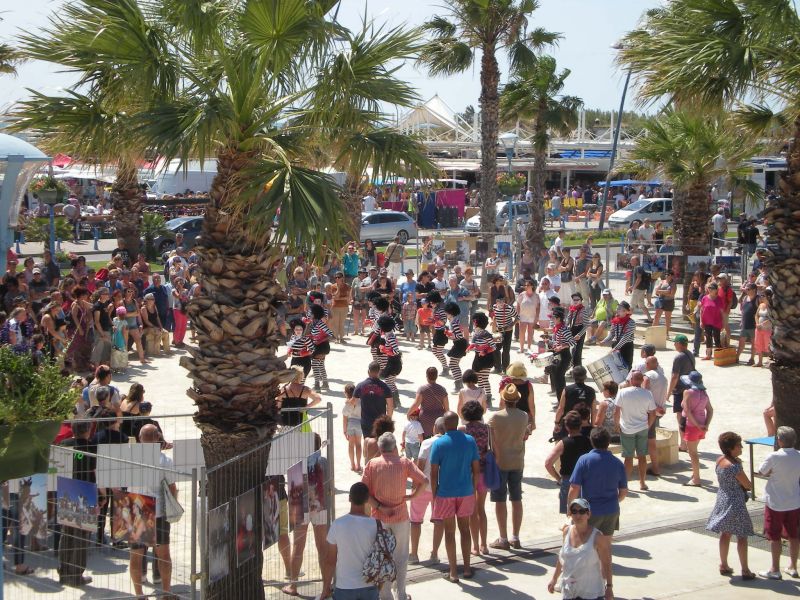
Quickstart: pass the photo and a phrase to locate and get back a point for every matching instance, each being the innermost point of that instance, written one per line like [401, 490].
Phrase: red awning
[61, 160]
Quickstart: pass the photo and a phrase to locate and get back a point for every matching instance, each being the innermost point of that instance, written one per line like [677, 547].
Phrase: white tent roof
[434, 112]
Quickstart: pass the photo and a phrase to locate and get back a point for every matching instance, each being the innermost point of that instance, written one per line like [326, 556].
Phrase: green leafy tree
[534, 94]
[489, 27]
[742, 55]
[153, 225]
[8, 60]
[37, 229]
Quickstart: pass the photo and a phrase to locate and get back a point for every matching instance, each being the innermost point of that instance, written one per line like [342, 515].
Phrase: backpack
[379, 567]
[734, 301]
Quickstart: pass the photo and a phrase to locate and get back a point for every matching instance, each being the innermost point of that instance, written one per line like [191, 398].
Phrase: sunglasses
[578, 511]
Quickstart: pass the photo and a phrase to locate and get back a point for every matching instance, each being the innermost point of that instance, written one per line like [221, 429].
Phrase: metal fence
[96, 514]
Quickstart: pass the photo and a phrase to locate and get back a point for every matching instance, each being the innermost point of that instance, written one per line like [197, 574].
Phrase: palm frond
[762, 119]
[9, 57]
[387, 151]
[446, 56]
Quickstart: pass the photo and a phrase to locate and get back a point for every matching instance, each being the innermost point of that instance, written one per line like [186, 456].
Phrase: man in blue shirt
[409, 286]
[350, 262]
[162, 296]
[599, 476]
[454, 477]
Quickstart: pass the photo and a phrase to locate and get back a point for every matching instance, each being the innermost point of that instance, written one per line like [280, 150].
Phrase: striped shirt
[562, 336]
[455, 332]
[505, 315]
[310, 317]
[482, 341]
[579, 319]
[374, 316]
[300, 346]
[320, 332]
[390, 346]
[622, 333]
[439, 318]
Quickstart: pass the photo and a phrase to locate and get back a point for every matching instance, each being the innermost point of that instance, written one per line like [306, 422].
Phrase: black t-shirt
[83, 466]
[578, 393]
[105, 318]
[644, 282]
[373, 394]
[682, 365]
[748, 308]
[109, 436]
[574, 448]
[40, 287]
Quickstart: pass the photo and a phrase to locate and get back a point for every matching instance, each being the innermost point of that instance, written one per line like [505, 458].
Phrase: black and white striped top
[622, 333]
[439, 318]
[300, 346]
[581, 319]
[482, 339]
[505, 315]
[374, 315]
[390, 344]
[562, 336]
[320, 332]
[455, 329]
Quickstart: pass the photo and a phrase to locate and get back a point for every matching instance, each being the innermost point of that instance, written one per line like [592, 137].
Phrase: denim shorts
[365, 593]
[510, 487]
[353, 426]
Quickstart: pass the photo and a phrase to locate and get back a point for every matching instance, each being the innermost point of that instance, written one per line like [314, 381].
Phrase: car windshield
[638, 205]
[175, 223]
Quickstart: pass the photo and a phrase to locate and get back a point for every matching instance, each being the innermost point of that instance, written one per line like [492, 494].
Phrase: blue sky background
[589, 27]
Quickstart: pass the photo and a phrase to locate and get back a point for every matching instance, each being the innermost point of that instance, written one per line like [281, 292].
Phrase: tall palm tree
[491, 27]
[119, 72]
[534, 95]
[728, 53]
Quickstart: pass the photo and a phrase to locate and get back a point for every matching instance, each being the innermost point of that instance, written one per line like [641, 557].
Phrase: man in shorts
[635, 413]
[599, 476]
[782, 499]
[420, 502]
[455, 469]
[682, 364]
[149, 434]
[639, 284]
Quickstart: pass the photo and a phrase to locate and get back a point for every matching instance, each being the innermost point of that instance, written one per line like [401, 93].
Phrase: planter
[25, 448]
[50, 197]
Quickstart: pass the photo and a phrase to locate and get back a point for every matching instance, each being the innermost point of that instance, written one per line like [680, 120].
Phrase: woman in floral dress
[729, 516]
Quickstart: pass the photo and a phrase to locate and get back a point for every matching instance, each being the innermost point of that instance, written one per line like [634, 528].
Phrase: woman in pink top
[697, 411]
[711, 307]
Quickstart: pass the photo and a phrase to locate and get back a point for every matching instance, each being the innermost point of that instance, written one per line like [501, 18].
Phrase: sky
[589, 27]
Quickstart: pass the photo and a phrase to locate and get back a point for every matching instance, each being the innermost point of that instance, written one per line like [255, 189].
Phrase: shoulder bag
[379, 567]
[173, 511]
[491, 472]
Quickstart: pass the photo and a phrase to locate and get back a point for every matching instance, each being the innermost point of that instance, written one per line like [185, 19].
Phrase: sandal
[287, 589]
[692, 484]
[726, 571]
[499, 544]
[749, 576]
[450, 579]
[26, 571]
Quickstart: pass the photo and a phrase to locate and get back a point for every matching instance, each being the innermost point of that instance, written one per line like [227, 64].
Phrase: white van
[658, 210]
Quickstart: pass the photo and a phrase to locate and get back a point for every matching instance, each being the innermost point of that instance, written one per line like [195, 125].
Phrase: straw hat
[510, 393]
[517, 370]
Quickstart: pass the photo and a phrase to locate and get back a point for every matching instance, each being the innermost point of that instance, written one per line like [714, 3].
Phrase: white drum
[545, 359]
[611, 367]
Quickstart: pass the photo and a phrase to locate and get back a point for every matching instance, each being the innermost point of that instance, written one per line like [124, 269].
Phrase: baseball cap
[37, 270]
[582, 502]
[681, 339]
[606, 292]
[362, 270]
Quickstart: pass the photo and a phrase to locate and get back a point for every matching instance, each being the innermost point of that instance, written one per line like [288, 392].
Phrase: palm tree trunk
[126, 200]
[535, 234]
[235, 373]
[692, 220]
[783, 229]
[490, 115]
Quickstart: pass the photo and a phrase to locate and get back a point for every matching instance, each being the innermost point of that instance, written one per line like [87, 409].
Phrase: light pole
[509, 141]
[617, 46]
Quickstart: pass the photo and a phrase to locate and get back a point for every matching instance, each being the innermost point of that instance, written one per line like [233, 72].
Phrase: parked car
[655, 209]
[520, 208]
[384, 225]
[190, 227]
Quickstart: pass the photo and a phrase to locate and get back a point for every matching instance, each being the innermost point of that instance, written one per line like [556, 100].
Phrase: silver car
[384, 225]
[473, 224]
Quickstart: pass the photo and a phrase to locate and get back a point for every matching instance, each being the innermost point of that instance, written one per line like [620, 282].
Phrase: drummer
[561, 343]
[620, 336]
[578, 321]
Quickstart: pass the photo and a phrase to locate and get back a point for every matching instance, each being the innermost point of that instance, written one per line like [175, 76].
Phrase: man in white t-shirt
[369, 203]
[149, 434]
[354, 533]
[419, 504]
[656, 381]
[634, 414]
[720, 225]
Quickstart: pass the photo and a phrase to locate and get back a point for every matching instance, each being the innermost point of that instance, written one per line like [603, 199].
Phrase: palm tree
[490, 26]
[728, 53]
[8, 60]
[534, 94]
[120, 73]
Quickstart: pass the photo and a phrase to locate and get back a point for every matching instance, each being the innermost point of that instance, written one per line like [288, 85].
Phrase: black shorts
[483, 363]
[394, 365]
[668, 305]
[321, 350]
[301, 361]
[459, 349]
[439, 338]
[162, 534]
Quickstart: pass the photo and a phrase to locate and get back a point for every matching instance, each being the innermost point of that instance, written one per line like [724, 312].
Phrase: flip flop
[726, 572]
[288, 591]
[692, 484]
[450, 579]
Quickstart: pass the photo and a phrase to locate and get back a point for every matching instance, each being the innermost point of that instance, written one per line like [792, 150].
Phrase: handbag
[491, 472]
[379, 567]
[173, 511]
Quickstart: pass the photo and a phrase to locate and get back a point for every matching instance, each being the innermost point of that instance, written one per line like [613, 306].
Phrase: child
[482, 343]
[389, 349]
[351, 418]
[439, 327]
[37, 354]
[320, 334]
[424, 321]
[380, 308]
[300, 347]
[459, 350]
[409, 313]
[412, 435]
[471, 391]
[60, 341]
[119, 346]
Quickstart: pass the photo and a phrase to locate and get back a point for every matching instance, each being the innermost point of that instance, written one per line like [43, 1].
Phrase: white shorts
[395, 269]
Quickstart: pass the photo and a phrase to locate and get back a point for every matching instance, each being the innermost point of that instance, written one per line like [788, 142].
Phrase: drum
[611, 367]
[545, 359]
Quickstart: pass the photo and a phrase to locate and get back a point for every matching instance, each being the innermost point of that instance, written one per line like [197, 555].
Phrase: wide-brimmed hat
[510, 393]
[694, 380]
[517, 370]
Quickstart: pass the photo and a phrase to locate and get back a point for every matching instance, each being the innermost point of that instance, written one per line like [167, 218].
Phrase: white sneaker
[770, 574]
[791, 572]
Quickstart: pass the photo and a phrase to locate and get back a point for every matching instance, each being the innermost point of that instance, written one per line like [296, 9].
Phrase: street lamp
[604, 203]
[19, 161]
[509, 141]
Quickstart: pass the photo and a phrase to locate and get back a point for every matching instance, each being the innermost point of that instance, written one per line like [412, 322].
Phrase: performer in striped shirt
[391, 351]
[320, 334]
[578, 320]
[505, 316]
[300, 347]
[439, 327]
[459, 350]
[379, 308]
[482, 343]
[561, 344]
[620, 336]
[316, 298]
